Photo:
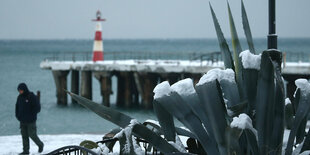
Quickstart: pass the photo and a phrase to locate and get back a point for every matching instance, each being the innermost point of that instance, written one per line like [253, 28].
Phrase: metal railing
[72, 149]
[79, 150]
[211, 57]
[136, 55]
[296, 56]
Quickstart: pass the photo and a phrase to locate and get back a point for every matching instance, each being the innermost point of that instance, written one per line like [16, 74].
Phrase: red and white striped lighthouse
[98, 44]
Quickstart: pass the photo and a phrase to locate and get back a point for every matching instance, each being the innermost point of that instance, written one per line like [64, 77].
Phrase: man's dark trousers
[29, 130]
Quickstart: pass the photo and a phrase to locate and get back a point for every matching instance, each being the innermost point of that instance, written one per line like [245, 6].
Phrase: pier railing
[296, 56]
[137, 55]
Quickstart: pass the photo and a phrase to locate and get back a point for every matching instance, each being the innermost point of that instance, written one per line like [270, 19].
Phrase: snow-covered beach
[12, 145]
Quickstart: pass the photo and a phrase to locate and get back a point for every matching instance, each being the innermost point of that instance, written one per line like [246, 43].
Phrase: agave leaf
[211, 98]
[154, 126]
[265, 103]
[183, 132]
[301, 113]
[243, 143]
[228, 61]
[252, 142]
[123, 121]
[289, 116]
[179, 131]
[194, 103]
[237, 109]
[110, 135]
[237, 50]
[126, 145]
[250, 87]
[231, 93]
[296, 101]
[192, 100]
[278, 117]
[246, 28]
[300, 135]
[165, 120]
[306, 145]
[175, 105]
[233, 136]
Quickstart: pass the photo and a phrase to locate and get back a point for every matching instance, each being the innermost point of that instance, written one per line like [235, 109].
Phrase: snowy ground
[12, 145]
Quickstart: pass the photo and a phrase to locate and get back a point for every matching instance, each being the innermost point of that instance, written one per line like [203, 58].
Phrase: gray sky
[71, 19]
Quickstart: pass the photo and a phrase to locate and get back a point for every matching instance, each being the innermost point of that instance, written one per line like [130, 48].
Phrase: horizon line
[194, 38]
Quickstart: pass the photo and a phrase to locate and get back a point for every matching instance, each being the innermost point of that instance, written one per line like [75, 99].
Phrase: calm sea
[20, 60]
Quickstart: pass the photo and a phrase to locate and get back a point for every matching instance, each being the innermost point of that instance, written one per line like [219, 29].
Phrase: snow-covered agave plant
[239, 110]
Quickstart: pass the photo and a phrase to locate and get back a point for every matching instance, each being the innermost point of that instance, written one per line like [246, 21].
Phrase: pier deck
[158, 66]
[154, 66]
[137, 78]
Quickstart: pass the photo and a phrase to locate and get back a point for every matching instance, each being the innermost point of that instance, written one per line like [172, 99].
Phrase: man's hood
[23, 86]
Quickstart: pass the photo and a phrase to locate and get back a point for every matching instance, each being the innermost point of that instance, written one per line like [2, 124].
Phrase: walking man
[27, 107]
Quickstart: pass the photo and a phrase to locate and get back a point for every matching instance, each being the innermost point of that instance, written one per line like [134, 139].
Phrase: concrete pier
[75, 83]
[60, 78]
[86, 84]
[137, 79]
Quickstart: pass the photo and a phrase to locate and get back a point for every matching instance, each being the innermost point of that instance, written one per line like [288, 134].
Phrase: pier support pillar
[148, 82]
[104, 79]
[86, 84]
[120, 90]
[125, 89]
[60, 78]
[75, 83]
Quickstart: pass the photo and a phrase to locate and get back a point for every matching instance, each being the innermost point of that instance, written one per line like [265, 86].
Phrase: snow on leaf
[250, 60]
[243, 121]
[218, 74]
[162, 89]
[303, 85]
[184, 87]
